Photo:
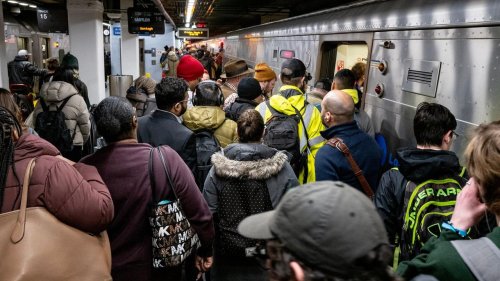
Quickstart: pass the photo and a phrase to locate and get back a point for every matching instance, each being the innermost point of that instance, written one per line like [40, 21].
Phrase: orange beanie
[264, 73]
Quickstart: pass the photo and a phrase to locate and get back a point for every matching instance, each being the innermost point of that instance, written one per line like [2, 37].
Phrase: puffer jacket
[75, 110]
[236, 108]
[76, 194]
[21, 71]
[214, 119]
[284, 102]
[250, 161]
[417, 165]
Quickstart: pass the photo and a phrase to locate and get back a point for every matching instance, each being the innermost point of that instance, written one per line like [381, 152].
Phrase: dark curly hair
[113, 117]
[169, 92]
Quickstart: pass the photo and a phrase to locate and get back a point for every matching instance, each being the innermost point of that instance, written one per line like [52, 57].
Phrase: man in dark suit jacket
[164, 125]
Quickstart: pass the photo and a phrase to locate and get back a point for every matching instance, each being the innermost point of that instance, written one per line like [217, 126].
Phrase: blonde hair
[483, 163]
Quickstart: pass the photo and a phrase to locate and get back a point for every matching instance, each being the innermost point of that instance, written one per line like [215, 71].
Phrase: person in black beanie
[249, 96]
[71, 62]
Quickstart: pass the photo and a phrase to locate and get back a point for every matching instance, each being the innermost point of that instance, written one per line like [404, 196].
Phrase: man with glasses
[322, 231]
[429, 167]
[164, 125]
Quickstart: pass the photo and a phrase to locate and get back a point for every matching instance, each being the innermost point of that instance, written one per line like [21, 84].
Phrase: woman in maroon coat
[123, 164]
[75, 194]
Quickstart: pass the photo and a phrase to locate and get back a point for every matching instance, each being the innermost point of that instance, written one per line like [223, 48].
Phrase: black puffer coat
[21, 71]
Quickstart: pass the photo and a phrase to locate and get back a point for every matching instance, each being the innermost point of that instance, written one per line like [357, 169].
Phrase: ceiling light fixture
[189, 10]
[13, 2]
[23, 4]
[32, 6]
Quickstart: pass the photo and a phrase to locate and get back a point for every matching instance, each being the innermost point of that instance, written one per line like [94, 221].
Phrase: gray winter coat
[244, 162]
[75, 110]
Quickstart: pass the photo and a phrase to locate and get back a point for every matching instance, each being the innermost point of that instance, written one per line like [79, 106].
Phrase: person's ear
[134, 122]
[297, 271]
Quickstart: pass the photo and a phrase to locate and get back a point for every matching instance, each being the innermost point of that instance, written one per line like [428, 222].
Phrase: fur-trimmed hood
[255, 162]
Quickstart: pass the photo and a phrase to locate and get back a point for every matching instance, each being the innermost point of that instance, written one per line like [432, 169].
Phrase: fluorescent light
[32, 6]
[187, 24]
[13, 2]
[190, 9]
[23, 4]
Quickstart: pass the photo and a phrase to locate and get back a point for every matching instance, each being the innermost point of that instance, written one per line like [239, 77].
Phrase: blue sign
[117, 30]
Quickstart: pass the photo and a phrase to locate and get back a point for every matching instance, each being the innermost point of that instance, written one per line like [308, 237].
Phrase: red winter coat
[76, 195]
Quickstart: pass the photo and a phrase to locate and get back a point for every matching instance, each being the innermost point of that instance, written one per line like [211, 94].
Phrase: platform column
[129, 45]
[4, 76]
[87, 44]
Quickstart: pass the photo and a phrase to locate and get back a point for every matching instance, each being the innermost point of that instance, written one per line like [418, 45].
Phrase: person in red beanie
[191, 70]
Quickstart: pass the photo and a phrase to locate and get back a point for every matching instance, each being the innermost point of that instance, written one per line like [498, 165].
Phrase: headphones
[217, 90]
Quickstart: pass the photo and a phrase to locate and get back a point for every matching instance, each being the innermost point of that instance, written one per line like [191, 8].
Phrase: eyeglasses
[454, 135]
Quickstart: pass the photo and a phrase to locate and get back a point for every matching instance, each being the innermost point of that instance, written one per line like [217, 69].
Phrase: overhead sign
[145, 22]
[193, 33]
[52, 20]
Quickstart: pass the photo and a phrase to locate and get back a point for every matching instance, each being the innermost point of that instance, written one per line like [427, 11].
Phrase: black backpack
[206, 146]
[239, 199]
[51, 126]
[282, 133]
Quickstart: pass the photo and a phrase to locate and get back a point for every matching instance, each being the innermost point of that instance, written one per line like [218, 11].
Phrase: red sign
[201, 25]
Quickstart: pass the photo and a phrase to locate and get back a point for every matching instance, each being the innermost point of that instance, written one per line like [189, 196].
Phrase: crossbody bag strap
[152, 174]
[18, 232]
[481, 256]
[340, 145]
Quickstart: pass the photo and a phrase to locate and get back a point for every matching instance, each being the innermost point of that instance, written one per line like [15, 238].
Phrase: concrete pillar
[87, 44]
[129, 45]
[4, 76]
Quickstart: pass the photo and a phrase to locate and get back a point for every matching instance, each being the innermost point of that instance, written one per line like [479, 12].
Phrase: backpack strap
[64, 102]
[340, 145]
[482, 257]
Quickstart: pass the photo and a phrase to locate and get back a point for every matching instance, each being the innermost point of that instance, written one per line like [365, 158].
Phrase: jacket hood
[286, 105]
[249, 161]
[353, 93]
[204, 117]
[56, 91]
[30, 146]
[422, 164]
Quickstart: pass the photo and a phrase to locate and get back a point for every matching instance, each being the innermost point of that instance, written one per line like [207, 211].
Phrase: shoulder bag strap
[18, 232]
[340, 145]
[482, 257]
[165, 168]
[152, 174]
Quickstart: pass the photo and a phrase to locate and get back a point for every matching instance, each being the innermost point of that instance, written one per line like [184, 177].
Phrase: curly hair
[113, 117]
[169, 92]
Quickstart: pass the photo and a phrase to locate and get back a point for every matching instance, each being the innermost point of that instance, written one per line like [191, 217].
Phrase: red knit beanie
[189, 68]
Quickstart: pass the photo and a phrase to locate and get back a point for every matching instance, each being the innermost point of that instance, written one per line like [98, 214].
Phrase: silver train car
[445, 52]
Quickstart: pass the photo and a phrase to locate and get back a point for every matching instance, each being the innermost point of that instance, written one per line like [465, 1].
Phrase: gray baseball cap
[327, 225]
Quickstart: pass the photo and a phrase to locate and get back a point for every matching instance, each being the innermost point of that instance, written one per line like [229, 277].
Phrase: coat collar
[340, 130]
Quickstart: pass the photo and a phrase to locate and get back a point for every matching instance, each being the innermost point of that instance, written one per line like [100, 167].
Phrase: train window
[340, 55]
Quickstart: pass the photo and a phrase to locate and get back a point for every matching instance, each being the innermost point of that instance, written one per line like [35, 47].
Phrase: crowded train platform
[350, 141]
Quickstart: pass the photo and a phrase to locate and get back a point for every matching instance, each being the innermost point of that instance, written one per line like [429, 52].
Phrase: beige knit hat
[264, 73]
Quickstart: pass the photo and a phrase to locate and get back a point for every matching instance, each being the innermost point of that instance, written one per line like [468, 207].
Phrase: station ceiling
[221, 15]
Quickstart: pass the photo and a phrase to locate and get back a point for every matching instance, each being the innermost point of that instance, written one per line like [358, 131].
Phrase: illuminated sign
[145, 22]
[193, 33]
[286, 54]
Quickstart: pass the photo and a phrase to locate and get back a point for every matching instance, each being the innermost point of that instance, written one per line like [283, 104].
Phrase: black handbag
[173, 237]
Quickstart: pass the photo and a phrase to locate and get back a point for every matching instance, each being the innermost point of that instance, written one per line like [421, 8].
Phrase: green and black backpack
[425, 206]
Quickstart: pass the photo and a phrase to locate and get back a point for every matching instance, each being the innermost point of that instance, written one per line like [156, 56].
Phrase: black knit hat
[249, 88]
[69, 61]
